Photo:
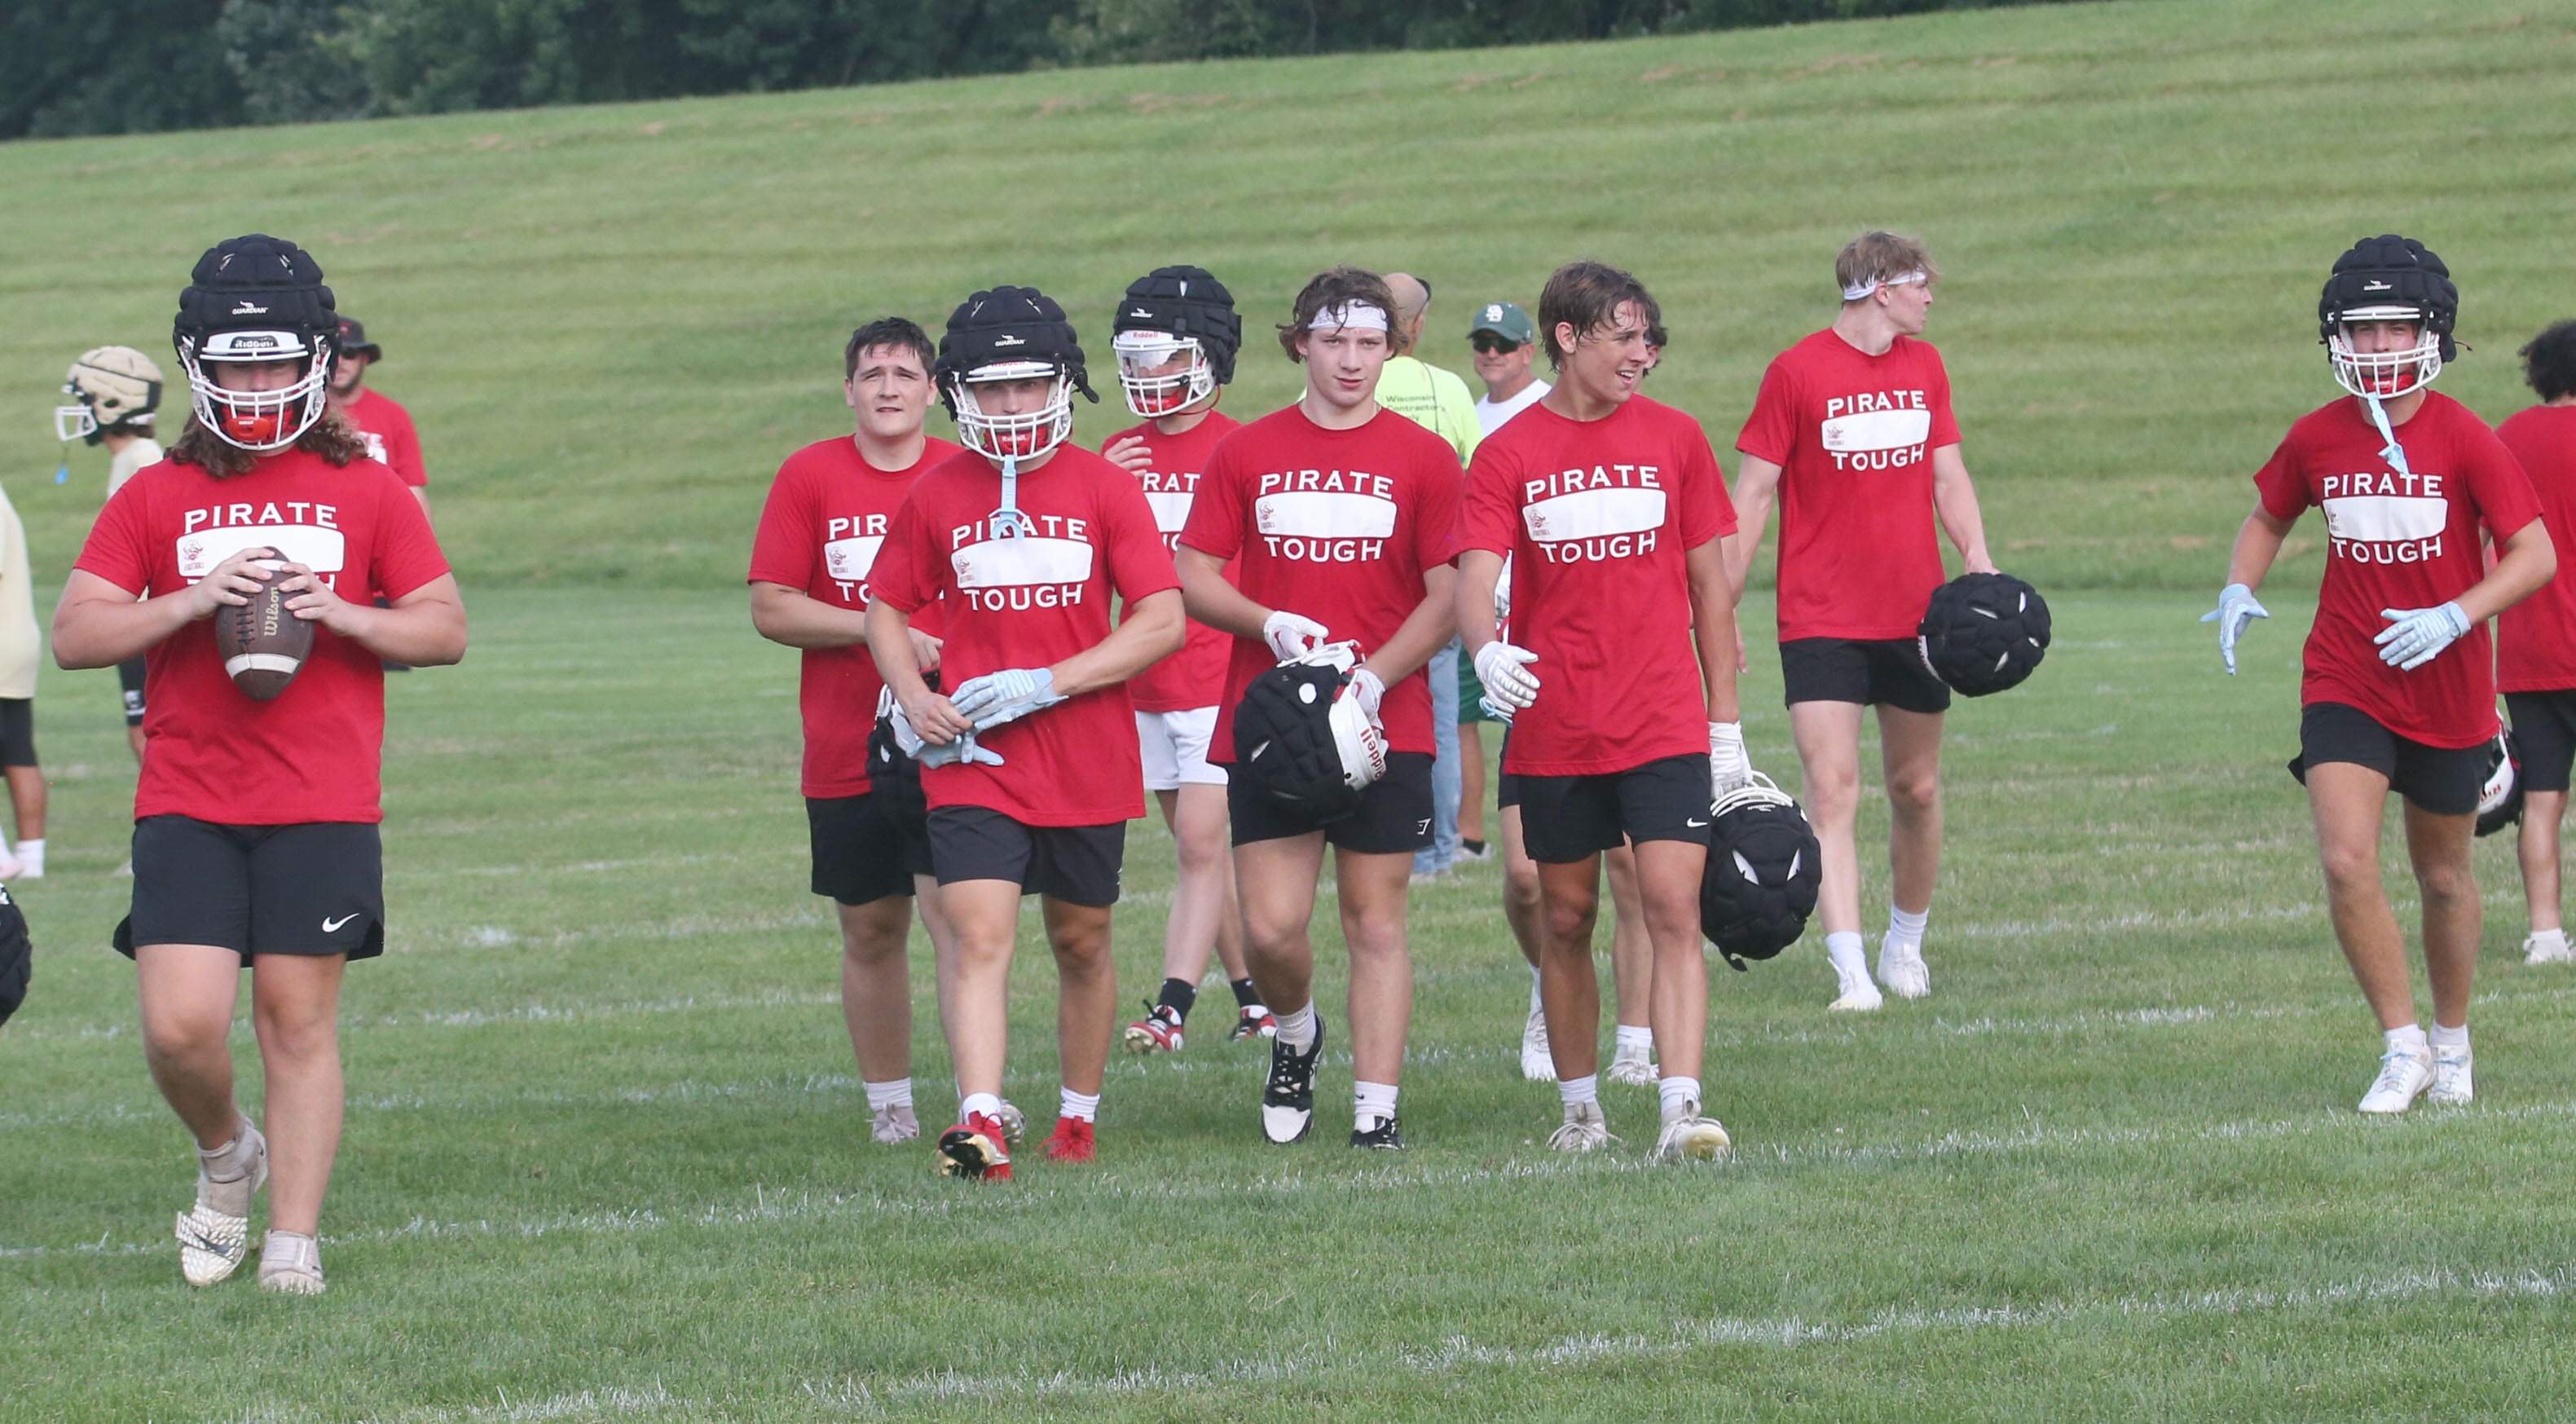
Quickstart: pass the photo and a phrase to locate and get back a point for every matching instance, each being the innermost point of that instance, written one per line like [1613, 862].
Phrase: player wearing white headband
[1852, 432]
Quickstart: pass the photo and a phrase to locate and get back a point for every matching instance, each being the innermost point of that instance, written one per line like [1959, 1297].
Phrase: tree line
[133, 66]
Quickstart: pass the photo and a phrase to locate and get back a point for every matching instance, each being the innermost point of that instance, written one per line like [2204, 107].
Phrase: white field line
[1822, 1150]
[1459, 1354]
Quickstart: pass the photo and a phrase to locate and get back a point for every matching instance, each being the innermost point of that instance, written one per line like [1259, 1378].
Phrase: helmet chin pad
[260, 421]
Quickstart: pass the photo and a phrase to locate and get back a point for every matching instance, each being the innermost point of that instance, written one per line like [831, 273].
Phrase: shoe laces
[2392, 1069]
[1290, 1070]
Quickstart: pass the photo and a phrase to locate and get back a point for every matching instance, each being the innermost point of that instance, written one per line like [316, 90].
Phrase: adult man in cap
[380, 422]
[1505, 342]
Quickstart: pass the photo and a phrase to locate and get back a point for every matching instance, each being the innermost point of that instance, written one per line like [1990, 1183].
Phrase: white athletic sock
[1085, 1106]
[1850, 959]
[1907, 926]
[894, 1094]
[227, 1163]
[31, 857]
[985, 1103]
[1371, 1103]
[1298, 1030]
[1534, 1006]
[1640, 1037]
[1586, 1089]
[1676, 1092]
[2409, 1039]
[2450, 1037]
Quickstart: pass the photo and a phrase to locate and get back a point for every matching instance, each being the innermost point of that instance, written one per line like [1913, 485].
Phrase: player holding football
[2536, 638]
[827, 516]
[1614, 513]
[1030, 764]
[1852, 433]
[1177, 335]
[2399, 683]
[1339, 518]
[255, 836]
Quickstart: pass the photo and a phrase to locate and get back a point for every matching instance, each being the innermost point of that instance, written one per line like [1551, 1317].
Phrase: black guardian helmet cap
[2389, 278]
[257, 298]
[1168, 311]
[1010, 334]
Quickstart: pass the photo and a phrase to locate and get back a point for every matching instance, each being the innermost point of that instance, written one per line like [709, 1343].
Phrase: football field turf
[607, 1158]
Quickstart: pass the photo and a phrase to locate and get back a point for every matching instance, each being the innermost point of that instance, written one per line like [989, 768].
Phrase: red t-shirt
[1194, 676]
[386, 427]
[2400, 541]
[2536, 638]
[1029, 603]
[1853, 436]
[826, 517]
[1599, 517]
[315, 753]
[1338, 525]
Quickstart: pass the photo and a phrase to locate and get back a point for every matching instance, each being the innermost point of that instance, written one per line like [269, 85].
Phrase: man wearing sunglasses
[1505, 340]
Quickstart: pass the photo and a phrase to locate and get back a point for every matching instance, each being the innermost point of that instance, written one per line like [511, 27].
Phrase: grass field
[607, 1158]
[611, 322]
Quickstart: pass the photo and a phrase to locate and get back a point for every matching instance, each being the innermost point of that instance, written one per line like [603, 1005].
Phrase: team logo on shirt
[305, 532]
[2385, 517]
[1169, 497]
[1606, 512]
[1045, 570]
[849, 550]
[375, 447]
[1878, 430]
[1325, 516]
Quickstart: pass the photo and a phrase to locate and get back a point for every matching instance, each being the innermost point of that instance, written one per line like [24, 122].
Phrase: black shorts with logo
[1394, 817]
[1570, 818]
[861, 853]
[1870, 671]
[2443, 780]
[314, 889]
[2544, 736]
[1079, 865]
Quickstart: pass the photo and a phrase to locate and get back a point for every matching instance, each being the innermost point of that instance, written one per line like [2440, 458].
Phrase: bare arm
[2529, 561]
[799, 620]
[425, 627]
[1954, 503]
[1152, 630]
[1712, 595]
[1426, 630]
[1479, 570]
[2258, 543]
[421, 493]
[1757, 484]
[890, 641]
[1213, 601]
[98, 624]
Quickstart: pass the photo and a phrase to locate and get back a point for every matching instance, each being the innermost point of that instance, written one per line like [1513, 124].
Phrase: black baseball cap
[353, 340]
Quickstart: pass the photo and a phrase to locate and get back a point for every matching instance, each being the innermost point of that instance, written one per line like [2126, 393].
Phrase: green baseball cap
[1506, 320]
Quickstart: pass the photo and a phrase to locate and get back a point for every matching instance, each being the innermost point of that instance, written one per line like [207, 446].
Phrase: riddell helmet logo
[254, 340]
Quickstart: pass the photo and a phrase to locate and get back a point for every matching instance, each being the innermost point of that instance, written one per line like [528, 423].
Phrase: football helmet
[1764, 869]
[16, 957]
[2500, 796]
[1174, 313]
[114, 389]
[1303, 736]
[1010, 334]
[2388, 278]
[257, 300]
[1983, 633]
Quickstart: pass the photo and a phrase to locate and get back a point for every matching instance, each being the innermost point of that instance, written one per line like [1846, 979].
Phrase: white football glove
[910, 742]
[1291, 635]
[1503, 669]
[1729, 769]
[2415, 635]
[1369, 689]
[1005, 696]
[2236, 608]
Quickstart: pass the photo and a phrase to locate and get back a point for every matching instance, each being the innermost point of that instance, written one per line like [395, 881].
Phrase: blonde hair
[1876, 256]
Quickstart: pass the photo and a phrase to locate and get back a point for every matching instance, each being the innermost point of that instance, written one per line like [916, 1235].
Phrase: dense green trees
[116, 66]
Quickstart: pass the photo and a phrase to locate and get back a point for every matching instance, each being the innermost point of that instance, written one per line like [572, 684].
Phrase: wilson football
[263, 645]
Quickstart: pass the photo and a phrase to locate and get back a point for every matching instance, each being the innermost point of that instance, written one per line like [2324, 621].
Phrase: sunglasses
[1493, 345]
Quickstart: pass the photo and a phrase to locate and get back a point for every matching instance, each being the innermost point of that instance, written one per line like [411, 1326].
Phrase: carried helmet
[1010, 334]
[114, 390]
[2388, 278]
[1301, 735]
[257, 300]
[2500, 795]
[1764, 868]
[1983, 633]
[1174, 312]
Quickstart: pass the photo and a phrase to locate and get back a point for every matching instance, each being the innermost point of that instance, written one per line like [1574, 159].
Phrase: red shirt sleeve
[2502, 488]
[1945, 426]
[904, 575]
[1139, 565]
[1435, 518]
[1215, 525]
[2283, 487]
[1489, 510]
[406, 554]
[1707, 512]
[118, 548]
[1771, 432]
[782, 549]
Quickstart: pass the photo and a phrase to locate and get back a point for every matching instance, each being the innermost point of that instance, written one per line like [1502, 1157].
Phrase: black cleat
[1386, 1136]
[1288, 1099]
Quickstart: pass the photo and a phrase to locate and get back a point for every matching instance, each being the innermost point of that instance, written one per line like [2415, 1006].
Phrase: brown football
[263, 645]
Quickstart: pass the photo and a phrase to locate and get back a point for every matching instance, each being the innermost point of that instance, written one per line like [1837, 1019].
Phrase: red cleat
[1254, 1021]
[976, 1149]
[1072, 1141]
[1159, 1031]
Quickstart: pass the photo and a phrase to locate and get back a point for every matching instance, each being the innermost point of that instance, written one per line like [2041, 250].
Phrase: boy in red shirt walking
[2536, 638]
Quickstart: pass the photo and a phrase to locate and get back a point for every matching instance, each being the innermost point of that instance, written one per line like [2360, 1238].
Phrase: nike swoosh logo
[333, 926]
[196, 1237]
[1694, 825]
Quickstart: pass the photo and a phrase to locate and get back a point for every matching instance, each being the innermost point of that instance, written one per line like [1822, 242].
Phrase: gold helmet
[116, 388]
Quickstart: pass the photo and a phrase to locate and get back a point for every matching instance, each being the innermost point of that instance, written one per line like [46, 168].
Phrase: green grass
[612, 322]
[607, 1159]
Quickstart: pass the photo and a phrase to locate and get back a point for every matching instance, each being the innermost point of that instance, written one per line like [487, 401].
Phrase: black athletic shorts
[1079, 865]
[129, 675]
[1568, 818]
[2443, 780]
[17, 731]
[1869, 671]
[312, 889]
[861, 854]
[1394, 817]
[1507, 787]
[2544, 736]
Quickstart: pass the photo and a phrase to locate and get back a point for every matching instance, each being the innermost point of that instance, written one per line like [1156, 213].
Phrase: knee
[1520, 886]
[1375, 937]
[874, 944]
[2449, 885]
[1833, 794]
[178, 1037]
[1202, 855]
[1914, 793]
[296, 1032]
[2350, 867]
[1571, 920]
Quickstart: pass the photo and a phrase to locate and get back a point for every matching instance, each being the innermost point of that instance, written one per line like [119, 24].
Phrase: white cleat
[1631, 1065]
[290, 1264]
[2402, 1078]
[214, 1236]
[1855, 994]
[1689, 1137]
[2451, 1078]
[2548, 947]
[1584, 1130]
[896, 1124]
[1902, 970]
[1537, 1064]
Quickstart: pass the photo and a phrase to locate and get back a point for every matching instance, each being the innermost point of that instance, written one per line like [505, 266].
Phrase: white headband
[1860, 290]
[1364, 316]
